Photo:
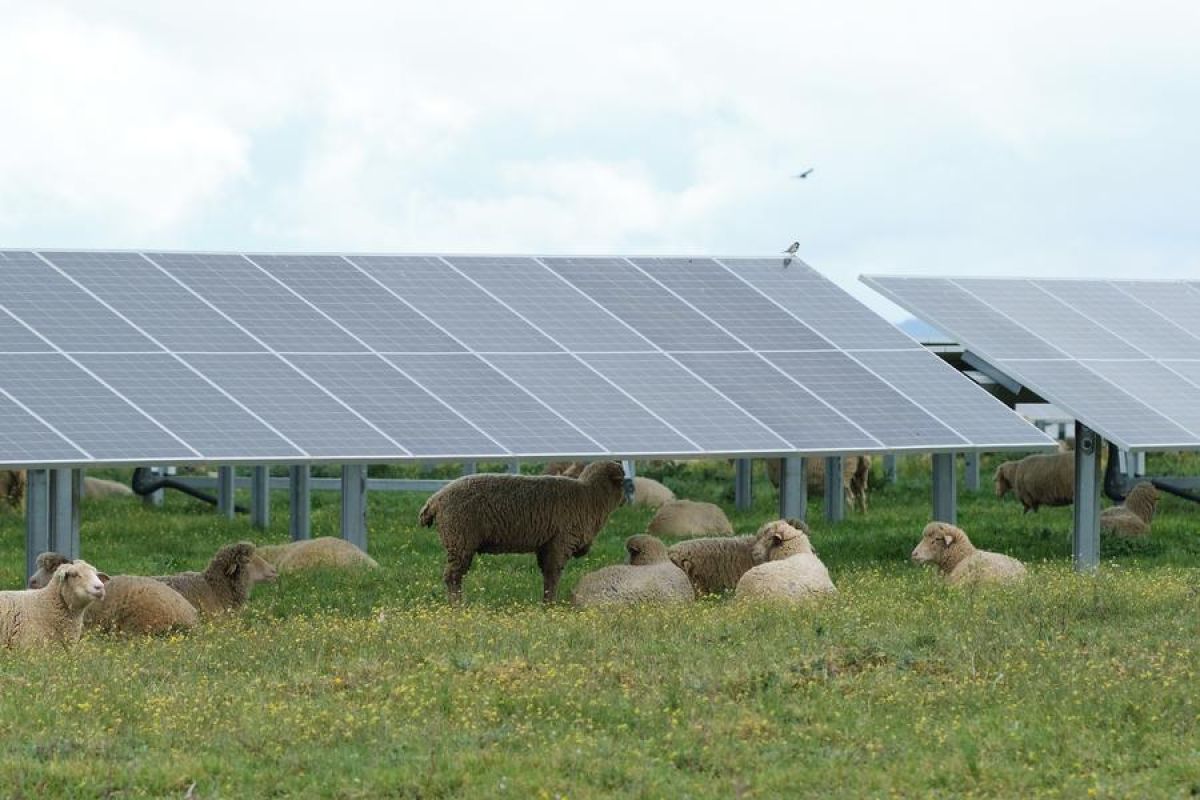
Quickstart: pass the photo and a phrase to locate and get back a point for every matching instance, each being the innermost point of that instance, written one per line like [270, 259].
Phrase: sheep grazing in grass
[555, 517]
[131, 603]
[99, 487]
[12, 487]
[1133, 517]
[325, 552]
[1038, 480]
[856, 476]
[716, 564]
[226, 582]
[54, 613]
[689, 518]
[649, 577]
[959, 561]
[649, 493]
[786, 566]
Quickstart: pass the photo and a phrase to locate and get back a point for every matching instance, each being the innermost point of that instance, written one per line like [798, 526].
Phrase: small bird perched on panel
[792, 248]
[804, 174]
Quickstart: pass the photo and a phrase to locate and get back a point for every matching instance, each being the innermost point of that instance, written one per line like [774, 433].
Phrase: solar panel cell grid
[24, 439]
[1137, 324]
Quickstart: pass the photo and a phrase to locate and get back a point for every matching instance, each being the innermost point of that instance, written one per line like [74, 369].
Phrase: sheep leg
[551, 560]
[456, 567]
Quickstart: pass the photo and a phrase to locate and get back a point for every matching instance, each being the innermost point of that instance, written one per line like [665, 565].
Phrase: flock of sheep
[556, 516]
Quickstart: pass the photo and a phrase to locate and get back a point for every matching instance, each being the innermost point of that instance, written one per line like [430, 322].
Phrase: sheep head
[46, 564]
[778, 540]
[1143, 500]
[79, 584]
[644, 549]
[1003, 478]
[937, 540]
[261, 570]
[610, 475]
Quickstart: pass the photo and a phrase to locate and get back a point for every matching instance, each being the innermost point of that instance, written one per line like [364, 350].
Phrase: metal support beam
[260, 497]
[743, 489]
[300, 522]
[354, 504]
[835, 489]
[76, 498]
[1085, 539]
[944, 488]
[793, 489]
[225, 491]
[37, 517]
[630, 468]
[889, 467]
[64, 513]
[971, 471]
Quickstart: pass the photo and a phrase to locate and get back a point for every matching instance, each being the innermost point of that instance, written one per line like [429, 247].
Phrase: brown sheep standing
[553, 516]
[856, 476]
[959, 561]
[12, 487]
[226, 582]
[1038, 480]
[1134, 516]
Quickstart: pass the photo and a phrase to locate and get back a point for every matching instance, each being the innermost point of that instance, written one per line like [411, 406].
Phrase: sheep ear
[103, 576]
[948, 539]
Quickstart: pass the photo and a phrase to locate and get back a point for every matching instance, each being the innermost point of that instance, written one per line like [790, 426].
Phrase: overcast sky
[1039, 138]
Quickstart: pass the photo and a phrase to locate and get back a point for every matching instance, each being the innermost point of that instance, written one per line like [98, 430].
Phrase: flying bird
[804, 174]
[793, 248]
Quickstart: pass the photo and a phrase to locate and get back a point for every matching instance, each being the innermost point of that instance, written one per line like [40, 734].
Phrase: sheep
[131, 603]
[648, 577]
[856, 476]
[1038, 480]
[959, 562]
[786, 567]
[555, 517]
[226, 582]
[54, 613]
[567, 469]
[715, 564]
[324, 551]
[12, 487]
[649, 493]
[689, 518]
[99, 487]
[1134, 516]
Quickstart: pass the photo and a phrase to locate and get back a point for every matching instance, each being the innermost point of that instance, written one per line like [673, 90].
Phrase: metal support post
[889, 467]
[469, 468]
[37, 517]
[76, 497]
[64, 511]
[1085, 540]
[225, 491]
[260, 497]
[971, 470]
[300, 522]
[944, 488]
[354, 505]
[793, 488]
[630, 469]
[835, 489]
[514, 467]
[743, 491]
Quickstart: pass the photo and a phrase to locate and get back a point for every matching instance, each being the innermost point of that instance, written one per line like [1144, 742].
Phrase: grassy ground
[370, 686]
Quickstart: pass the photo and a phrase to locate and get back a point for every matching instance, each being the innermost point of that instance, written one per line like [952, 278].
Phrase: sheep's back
[662, 582]
[136, 604]
[714, 565]
[797, 577]
[983, 566]
[689, 518]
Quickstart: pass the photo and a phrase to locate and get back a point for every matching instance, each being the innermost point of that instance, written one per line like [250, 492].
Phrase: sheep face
[261, 570]
[607, 473]
[47, 564]
[778, 540]
[936, 539]
[80, 583]
[645, 549]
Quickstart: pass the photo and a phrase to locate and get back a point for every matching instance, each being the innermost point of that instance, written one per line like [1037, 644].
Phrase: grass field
[371, 686]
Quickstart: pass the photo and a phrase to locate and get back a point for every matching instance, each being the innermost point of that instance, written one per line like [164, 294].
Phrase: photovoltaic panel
[790, 410]
[143, 294]
[733, 304]
[1115, 311]
[1045, 316]
[949, 395]
[874, 405]
[634, 298]
[454, 303]
[188, 406]
[600, 409]
[560, 310]
[1188, 369]
[822, 305]
[85, 412]
[16, 338]
[256, 302]
[354, 301]
[510, 416]
[294, 406]
[400, 408]
[1171, 299]
[60, 311]
[23, 439]
[1171, 395]
[696, 410]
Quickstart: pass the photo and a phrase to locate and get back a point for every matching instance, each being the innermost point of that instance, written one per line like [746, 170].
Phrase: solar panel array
[1121, 356]
[124, 358]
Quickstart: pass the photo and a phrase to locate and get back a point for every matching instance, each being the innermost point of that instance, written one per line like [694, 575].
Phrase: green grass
[370, 686]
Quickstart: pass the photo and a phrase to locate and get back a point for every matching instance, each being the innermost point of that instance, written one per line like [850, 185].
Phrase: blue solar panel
[25, 439]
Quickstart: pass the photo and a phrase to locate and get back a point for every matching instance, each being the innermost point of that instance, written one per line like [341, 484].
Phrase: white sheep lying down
[326, 552]
[689, 518]
[649, 577]
[787, 567]
[959, 561]
[54, 613]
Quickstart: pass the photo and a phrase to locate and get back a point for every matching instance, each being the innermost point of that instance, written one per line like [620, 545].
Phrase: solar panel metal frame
[1019, 368]
[347, 342]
